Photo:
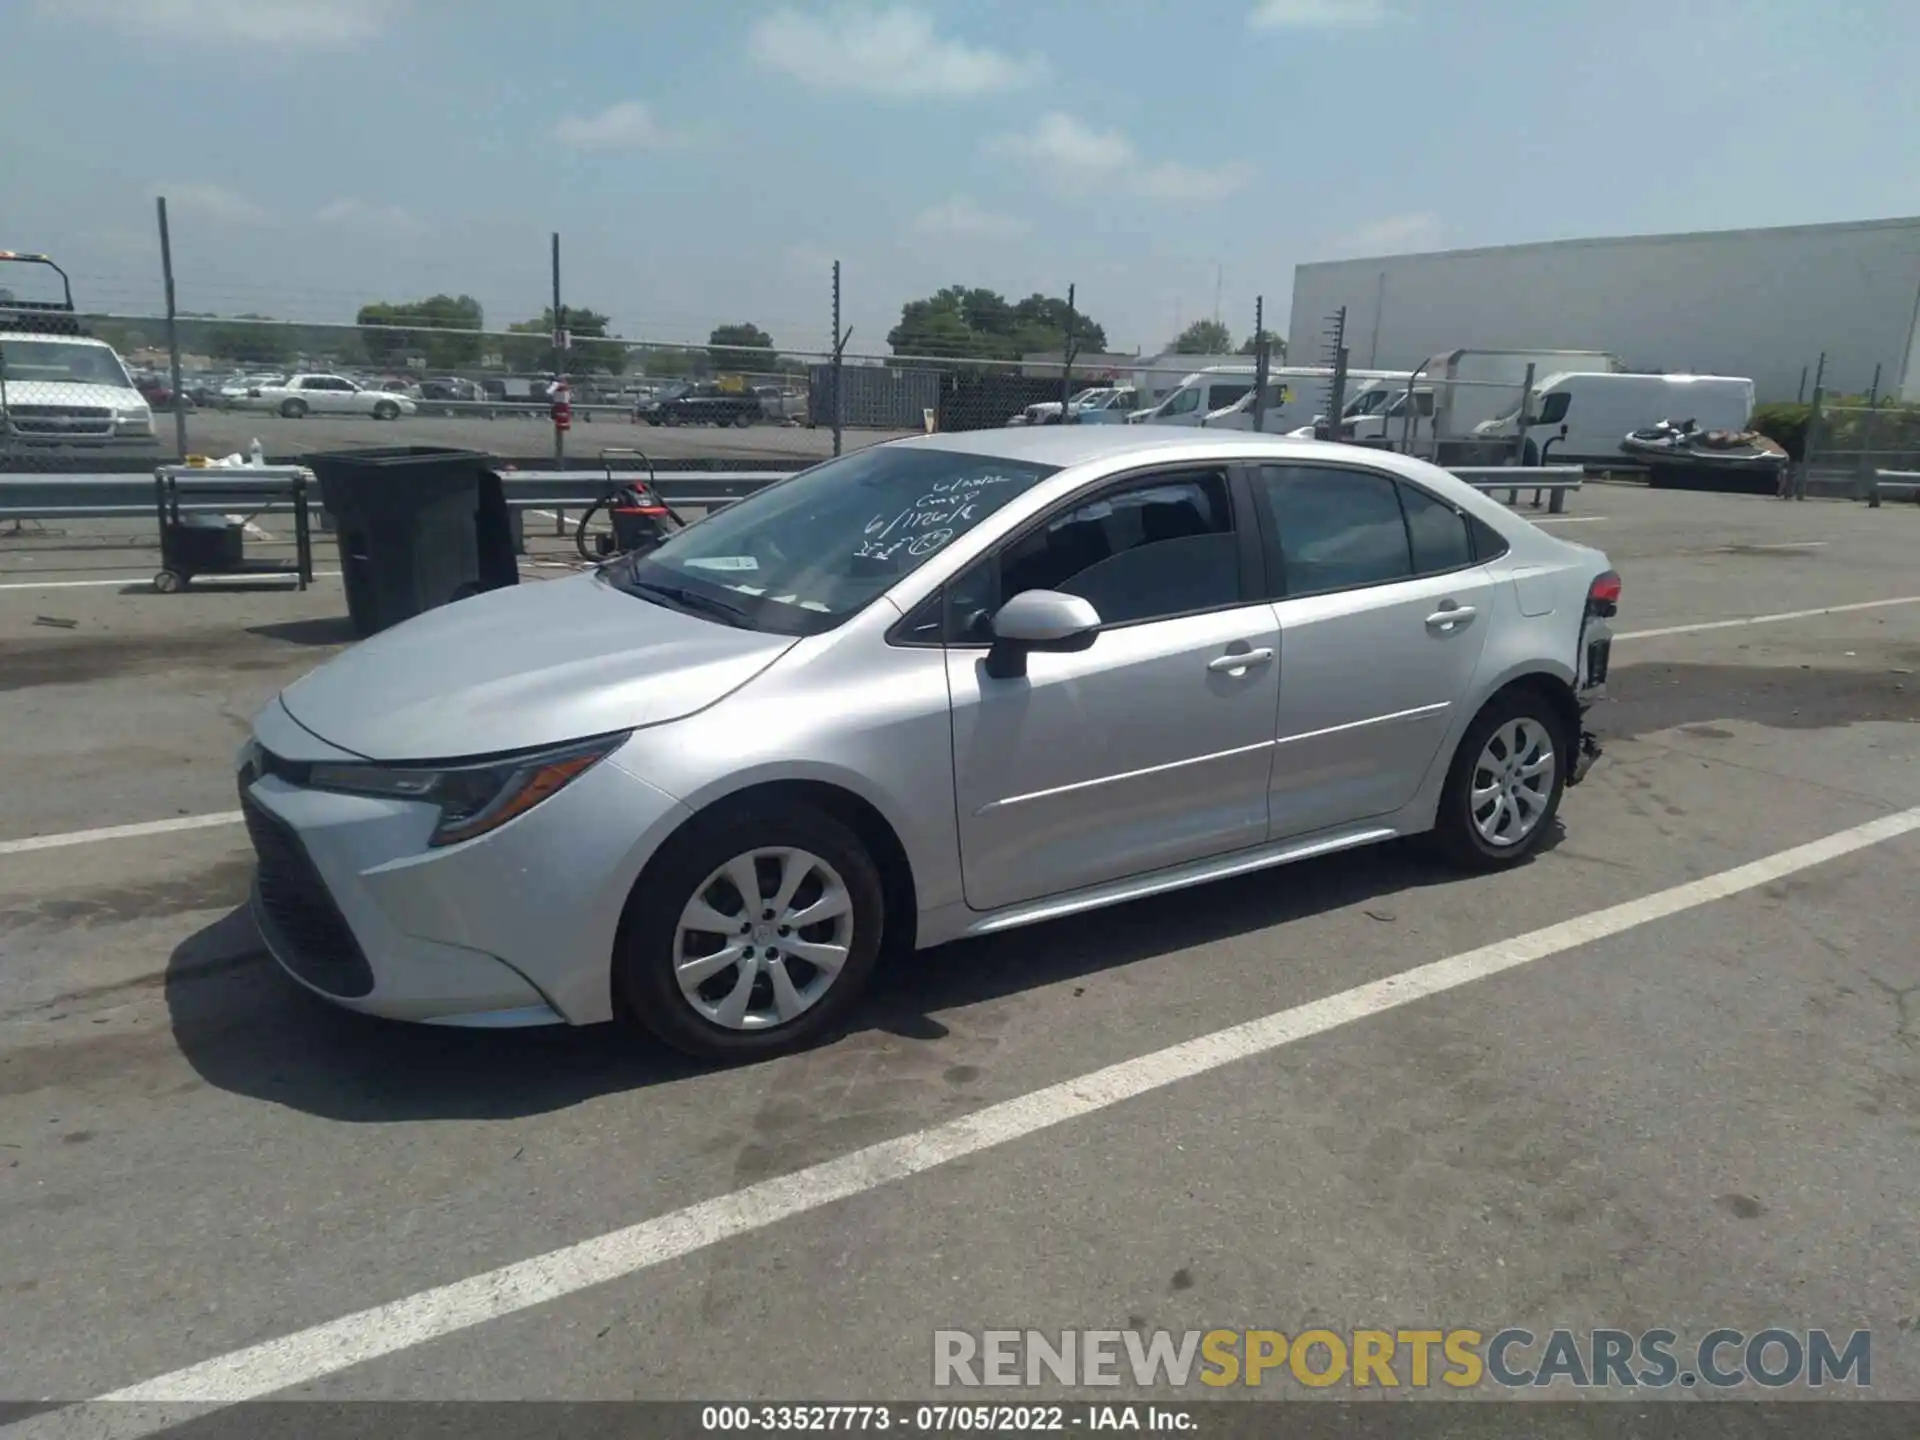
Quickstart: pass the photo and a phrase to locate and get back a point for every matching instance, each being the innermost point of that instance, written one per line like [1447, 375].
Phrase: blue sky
[706, 162]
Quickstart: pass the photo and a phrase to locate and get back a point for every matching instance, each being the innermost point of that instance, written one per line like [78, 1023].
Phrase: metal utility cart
[198, 538]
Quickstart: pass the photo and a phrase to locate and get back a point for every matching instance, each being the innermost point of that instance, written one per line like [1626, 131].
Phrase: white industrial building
[1758, 303]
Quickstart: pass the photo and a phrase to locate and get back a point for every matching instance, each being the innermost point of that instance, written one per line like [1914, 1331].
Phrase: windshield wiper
[693, 600]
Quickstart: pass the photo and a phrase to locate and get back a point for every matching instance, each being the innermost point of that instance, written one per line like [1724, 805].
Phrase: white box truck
[1580, 419]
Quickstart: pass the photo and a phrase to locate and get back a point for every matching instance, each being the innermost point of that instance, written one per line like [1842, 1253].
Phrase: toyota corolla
[935, 688]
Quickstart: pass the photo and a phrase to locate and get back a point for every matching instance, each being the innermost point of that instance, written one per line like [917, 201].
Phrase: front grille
[60, 420]
[304, 926]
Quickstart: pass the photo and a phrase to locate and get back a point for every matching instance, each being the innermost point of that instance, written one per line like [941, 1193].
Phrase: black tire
[293, 409]
[1455, 835]
[646, 990]
[743, 419]
[386, 410]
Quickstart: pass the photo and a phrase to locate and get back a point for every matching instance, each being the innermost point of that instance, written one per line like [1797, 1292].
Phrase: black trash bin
[418, 526]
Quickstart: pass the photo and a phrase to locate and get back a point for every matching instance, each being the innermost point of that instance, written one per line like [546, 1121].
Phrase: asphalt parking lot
[519, 436]
[1573, 1095]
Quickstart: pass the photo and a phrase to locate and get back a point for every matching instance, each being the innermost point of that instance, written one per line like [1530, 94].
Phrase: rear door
[1383, 612]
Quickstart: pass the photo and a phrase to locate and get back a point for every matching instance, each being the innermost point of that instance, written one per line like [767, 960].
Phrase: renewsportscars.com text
[1410, 1359]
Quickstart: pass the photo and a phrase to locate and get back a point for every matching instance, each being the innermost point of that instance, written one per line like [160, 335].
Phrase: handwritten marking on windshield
[929, 521]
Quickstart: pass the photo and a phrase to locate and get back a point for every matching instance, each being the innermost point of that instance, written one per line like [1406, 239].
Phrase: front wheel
[752, 934]
[1505, 783]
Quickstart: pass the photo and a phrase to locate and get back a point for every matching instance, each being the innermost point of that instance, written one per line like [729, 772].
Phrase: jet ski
[1680, 455]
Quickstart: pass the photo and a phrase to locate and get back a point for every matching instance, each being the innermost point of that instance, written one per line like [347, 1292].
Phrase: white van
[1198, 396]
[1221, 397]
[1597, 411]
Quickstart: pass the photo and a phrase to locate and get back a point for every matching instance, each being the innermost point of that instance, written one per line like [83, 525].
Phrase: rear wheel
[743, 419]
[1505, 783]
[293, 409]
[386, 410]
[752, 935]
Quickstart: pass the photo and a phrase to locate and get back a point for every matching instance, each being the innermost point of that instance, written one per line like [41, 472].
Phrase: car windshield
[62, 362]
[802, 556]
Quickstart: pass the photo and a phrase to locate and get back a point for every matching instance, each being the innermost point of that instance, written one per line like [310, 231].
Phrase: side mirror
[1039, 620]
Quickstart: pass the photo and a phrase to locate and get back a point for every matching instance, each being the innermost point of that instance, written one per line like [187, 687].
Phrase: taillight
[1603, 596]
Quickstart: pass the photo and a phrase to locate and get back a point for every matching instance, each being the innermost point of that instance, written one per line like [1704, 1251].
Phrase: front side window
[1185, 402]
[1225, 395]
[1334, 529]
[1147, 550]
[801, 556]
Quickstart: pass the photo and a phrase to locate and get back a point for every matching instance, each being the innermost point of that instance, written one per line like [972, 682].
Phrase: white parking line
[1701, 625]
[118, 832]
[1566, 519]
[307, 1355]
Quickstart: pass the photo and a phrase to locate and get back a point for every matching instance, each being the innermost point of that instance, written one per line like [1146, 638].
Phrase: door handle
[1236, 661]
[1446, 618]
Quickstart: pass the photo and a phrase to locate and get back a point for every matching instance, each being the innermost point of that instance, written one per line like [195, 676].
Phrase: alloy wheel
[1512, 782]
[763, 938]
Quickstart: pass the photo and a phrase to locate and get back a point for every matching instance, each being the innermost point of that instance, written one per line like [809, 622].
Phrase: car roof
[1115, 446]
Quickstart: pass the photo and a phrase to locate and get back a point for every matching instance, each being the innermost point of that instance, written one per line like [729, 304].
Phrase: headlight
[473, 799]
[137, 420]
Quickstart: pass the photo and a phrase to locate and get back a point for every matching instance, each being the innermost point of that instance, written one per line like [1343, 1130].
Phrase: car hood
[75, 393]
[529, 665]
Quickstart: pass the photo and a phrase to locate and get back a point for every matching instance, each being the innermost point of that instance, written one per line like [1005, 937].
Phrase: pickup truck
[701, 405]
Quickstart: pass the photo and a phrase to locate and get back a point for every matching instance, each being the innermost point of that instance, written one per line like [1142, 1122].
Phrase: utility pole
[173, 331]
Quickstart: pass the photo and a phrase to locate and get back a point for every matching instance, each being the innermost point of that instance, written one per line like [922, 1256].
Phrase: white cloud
[1319, 14]
[212, 202]
[895, 54]
[960, 216]
[628, 125]
[1075, 154]
[365, 215]
[291, 24]
[1392, 233]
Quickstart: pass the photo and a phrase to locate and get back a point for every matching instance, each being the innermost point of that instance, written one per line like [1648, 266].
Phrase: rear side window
[1488, 543]
[1439, 533]
[1225, 395]
[1334, 529]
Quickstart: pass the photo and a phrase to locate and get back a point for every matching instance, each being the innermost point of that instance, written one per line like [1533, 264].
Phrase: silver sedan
[935, 688]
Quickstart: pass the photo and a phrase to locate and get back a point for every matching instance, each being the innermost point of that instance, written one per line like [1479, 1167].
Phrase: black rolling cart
[197, 539]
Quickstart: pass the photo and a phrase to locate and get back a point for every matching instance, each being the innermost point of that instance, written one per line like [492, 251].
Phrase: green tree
[392, 331]
[1204, 337]
[1276, 346]
[975, 324]
[741, 348]
[589, 353]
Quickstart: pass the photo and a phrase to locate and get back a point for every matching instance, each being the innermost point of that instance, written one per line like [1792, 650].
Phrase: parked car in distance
[935, 688]
[300, 395]
[781, 402]
[1048, 412]
[703, 404]
[1109, 407]
[159, 394]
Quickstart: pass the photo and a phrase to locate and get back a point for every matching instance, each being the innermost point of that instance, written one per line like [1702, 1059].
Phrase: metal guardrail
[1894, 483]
[1555, 481]
[79, 497]
[106, 497]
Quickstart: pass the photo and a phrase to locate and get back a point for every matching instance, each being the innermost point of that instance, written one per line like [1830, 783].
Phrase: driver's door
[1153, 746]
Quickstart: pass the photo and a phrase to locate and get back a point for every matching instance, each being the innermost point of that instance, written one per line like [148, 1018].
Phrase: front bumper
[515, 927]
